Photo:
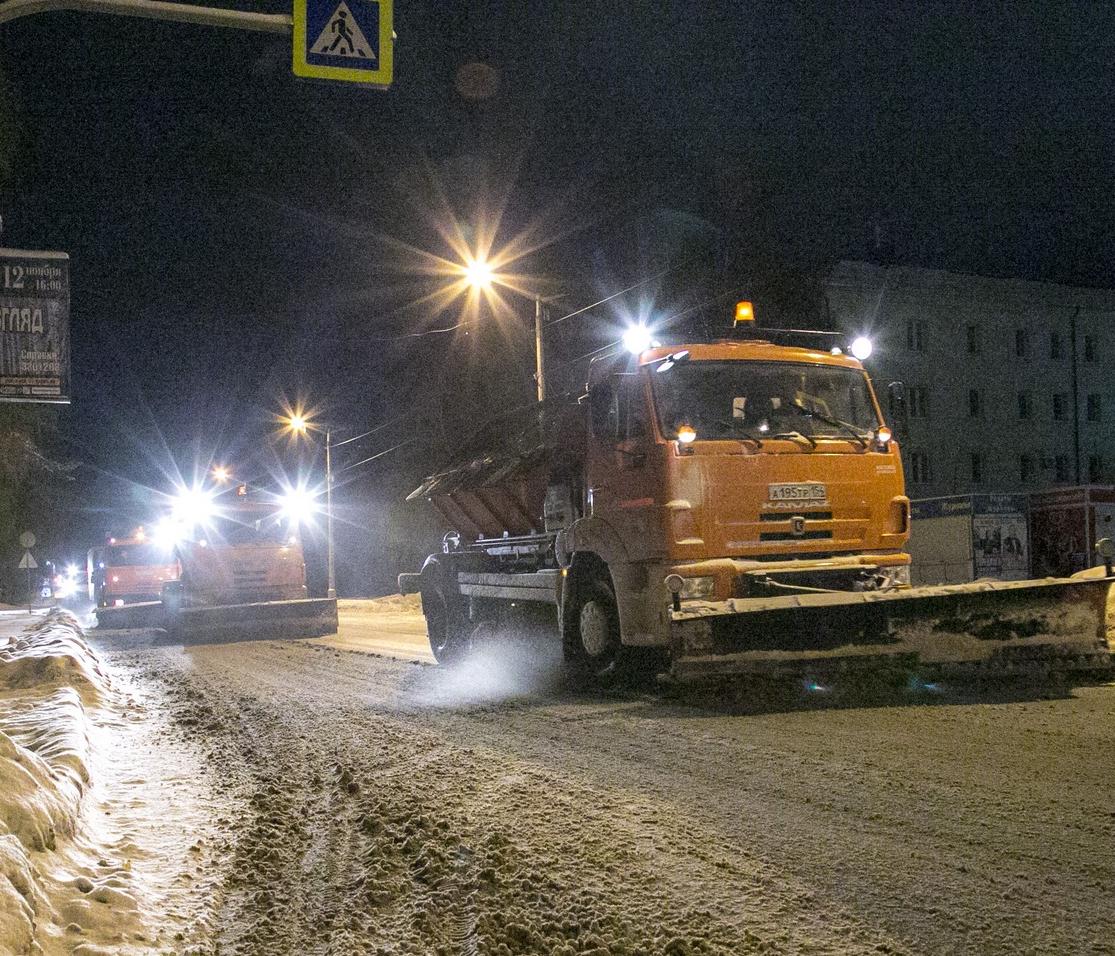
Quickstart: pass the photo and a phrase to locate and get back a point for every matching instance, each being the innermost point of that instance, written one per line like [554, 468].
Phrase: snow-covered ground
[293, 797]
[390, 807]
[104, 807]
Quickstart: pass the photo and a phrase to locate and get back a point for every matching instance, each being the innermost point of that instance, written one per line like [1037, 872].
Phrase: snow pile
[48, 903]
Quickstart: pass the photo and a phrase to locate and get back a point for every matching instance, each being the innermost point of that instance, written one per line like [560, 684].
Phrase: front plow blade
[992, 628]
[311, 617]
[128, 616]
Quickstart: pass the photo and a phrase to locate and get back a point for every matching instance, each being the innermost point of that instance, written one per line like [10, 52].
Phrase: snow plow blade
[987, 628]
[130, 616]
[277, 620]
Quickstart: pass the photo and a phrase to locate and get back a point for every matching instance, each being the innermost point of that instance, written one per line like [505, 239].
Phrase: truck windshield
[130, 555]
[252, 530]
[734, 399]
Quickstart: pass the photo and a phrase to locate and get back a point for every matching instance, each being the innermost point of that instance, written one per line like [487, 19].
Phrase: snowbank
[51, 898]
[389, 604]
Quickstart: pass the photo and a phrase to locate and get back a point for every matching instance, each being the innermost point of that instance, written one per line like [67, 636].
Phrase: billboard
[34, 326]
[967, 537]
[1000, 537]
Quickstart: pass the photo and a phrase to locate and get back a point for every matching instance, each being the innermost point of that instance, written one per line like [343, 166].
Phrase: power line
[378, 454]
[615, 295]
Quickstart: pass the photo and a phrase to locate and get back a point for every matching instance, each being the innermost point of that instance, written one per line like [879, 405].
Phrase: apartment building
[1008, 383]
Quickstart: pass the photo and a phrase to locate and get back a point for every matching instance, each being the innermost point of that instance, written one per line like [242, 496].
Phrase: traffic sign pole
[154, 10]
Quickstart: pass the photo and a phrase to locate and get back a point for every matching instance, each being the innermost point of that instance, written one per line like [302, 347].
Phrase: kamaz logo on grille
[797, 525]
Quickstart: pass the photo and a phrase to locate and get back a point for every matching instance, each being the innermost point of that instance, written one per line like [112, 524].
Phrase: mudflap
[989, 628]
[149, 614]
[312, 617]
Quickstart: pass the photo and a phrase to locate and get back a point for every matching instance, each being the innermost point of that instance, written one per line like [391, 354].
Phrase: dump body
[699, 500]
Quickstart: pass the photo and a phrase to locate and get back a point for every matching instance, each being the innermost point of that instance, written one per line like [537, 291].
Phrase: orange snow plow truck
[242, 575]
[738, 506]
[130, 570]
[245, 576]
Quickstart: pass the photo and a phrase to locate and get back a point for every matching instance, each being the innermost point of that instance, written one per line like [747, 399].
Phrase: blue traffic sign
[346, 40]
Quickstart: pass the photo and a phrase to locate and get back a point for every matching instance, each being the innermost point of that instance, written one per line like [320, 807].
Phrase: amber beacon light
[745, 314]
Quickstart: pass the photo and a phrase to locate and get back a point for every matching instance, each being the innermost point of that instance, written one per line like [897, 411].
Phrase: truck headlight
[896, 577]
[697, 588]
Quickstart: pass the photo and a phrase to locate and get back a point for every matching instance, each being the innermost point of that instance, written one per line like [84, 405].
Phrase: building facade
[1007, 383]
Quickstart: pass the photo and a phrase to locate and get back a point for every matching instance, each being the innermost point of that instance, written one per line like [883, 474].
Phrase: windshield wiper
[732, 425]
[829, 420]
[796, 434]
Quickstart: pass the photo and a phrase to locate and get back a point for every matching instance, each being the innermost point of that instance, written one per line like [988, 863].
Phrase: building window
[1025, 467]
[973, 340]
[977, 467]
[918, 402]
[916, 334]
[1095, 408]
[1025, 405]
[1055, 345]
[1095, 469]
[975, 403]
[1061, 468]
[1021, 343]
[1060, 406]
[1089, 348]
[919, 468]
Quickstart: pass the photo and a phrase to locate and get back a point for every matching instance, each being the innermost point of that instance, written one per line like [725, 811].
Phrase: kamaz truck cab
[130, 569]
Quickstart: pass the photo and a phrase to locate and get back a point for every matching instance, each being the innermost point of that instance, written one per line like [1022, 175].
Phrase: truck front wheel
[592, 642]
[444, 626]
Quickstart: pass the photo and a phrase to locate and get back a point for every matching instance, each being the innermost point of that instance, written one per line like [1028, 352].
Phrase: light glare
[478, 274]
[637, 339]
[862, 348]
[298, 505]
[192, 507]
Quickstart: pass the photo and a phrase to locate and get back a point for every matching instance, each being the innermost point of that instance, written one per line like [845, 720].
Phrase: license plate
[813, 491]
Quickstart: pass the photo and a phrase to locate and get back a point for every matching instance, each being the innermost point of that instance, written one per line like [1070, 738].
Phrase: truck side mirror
[630, 454]
[896, 408]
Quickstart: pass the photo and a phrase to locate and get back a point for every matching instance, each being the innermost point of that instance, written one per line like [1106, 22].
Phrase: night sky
[238, 235]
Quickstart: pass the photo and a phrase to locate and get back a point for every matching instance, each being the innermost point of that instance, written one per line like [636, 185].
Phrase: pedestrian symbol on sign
[342, 37]
[350, 41]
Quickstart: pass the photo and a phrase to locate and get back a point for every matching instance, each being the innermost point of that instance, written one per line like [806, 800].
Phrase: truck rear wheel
[592, 640]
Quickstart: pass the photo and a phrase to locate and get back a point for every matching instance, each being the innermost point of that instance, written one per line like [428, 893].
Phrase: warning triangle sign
[342, 37]
[28, 561]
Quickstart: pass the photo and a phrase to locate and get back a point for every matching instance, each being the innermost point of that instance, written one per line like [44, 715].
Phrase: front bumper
[741, 578]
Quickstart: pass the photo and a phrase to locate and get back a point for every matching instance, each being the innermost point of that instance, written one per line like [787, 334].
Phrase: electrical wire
[378, 454]
[615, 295]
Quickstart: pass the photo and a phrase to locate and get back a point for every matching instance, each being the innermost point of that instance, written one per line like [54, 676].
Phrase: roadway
[384, 805]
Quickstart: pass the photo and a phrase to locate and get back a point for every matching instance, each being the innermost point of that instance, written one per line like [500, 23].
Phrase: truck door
[623, 485]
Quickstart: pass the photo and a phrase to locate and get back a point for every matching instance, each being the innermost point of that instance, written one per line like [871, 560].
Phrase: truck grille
[810, 517]
[790, 536]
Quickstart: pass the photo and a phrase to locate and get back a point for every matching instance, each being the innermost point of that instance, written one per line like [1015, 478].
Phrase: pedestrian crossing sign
[345, 40]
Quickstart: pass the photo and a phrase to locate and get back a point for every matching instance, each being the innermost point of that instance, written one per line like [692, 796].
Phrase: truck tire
[446, 625]
[591, 644]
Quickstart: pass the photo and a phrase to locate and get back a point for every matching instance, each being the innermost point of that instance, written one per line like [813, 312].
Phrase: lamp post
[478, 274]
[298, 424]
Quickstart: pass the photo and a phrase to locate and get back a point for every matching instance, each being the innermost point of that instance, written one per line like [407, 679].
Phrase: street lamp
[479, 275]
[298, 424]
